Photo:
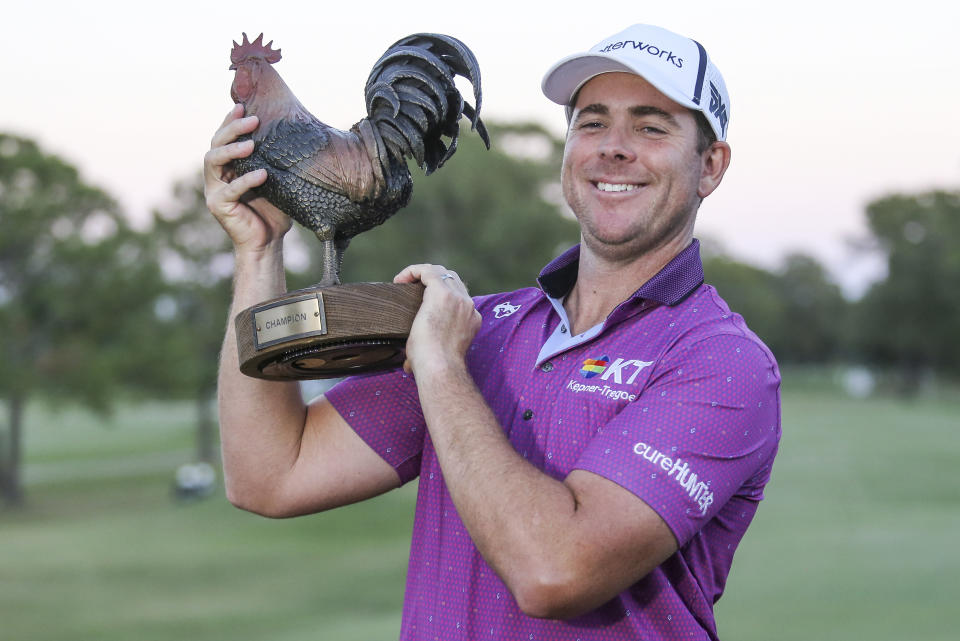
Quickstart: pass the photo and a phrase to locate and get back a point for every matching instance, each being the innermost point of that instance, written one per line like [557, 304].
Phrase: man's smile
[615, 187]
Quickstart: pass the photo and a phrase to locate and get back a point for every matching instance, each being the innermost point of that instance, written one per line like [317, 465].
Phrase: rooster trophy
[340, 183]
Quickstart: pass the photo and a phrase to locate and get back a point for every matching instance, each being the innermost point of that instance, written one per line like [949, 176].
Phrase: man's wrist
[253, 254]
[441, 368]
[259, 272]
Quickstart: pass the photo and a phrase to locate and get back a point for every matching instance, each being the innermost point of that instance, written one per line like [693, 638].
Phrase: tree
[911, 319]
[814, 314]
[750, 291]
[798, 311]
[494, 216]
[77, 288]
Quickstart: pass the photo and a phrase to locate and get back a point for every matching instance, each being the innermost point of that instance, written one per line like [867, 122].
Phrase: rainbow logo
[594, 366]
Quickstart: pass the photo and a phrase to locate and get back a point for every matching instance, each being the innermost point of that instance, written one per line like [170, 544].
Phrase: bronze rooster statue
[340, 183]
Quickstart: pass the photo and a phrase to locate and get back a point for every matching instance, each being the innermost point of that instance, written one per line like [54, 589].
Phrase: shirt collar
[677, 280]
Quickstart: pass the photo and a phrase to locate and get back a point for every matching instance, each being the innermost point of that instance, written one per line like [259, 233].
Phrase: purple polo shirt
[672, 397]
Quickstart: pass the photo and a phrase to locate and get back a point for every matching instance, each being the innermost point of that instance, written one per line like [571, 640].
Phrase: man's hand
[252, 224]
[446, 323]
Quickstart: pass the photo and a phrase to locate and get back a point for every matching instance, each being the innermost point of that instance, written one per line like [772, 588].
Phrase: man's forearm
[563, 548]
[261, 422]
[516, 514]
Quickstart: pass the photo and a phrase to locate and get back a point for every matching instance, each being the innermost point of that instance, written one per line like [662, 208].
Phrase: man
[589, 452]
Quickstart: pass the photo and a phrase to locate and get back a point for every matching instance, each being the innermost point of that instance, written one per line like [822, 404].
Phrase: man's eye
[652, 130]
[591, 124]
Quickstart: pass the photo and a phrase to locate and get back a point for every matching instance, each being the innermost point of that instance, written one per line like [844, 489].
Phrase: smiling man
[590, 452]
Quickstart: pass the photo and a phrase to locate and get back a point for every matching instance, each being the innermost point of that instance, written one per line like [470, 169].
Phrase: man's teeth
[615, 187]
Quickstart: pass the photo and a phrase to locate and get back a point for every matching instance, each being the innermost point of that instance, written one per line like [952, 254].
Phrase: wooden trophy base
[327, 332]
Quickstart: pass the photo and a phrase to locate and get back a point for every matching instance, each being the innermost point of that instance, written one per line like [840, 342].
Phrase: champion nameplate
[289, 320]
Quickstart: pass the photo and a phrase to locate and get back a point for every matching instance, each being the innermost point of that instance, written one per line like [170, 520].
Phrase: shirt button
[547, 367]
[527, 415]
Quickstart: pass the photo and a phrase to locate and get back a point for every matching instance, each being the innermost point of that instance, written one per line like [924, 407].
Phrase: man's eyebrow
[596, 108]
[645, 110]
[639, 111]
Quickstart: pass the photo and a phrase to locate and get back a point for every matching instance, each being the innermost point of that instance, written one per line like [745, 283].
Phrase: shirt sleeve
[704, 430]
[384, 410]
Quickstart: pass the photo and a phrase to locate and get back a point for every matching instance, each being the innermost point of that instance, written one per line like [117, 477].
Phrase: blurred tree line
[93, 311]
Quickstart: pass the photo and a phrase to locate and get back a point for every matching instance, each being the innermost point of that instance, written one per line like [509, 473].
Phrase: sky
[833, 104]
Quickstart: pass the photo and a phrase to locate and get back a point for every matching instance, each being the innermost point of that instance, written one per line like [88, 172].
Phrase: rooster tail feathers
[403, 53]
[415, 96]
[476, 123]
[381, 91]
[413, 102]
[394, 139]
[456, 55]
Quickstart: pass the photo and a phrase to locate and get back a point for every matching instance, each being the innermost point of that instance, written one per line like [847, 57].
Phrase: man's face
[631, 172]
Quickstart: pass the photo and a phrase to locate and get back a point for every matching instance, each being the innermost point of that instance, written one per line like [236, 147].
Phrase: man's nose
[616, 145]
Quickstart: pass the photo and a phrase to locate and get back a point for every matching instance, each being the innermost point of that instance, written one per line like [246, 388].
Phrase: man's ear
[714, 163]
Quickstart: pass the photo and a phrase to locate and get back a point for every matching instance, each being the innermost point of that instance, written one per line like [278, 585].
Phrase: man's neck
[603, 283]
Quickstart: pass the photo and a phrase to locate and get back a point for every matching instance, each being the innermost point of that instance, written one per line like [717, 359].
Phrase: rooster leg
[332, 255]
[340, 245]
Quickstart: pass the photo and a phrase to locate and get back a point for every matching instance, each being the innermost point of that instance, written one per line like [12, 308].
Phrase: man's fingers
[217, 158]
[233, 129]
[240, 185]
[223, 197]
[447, 320]
[410, 274]
[426, 273]
[233, 114]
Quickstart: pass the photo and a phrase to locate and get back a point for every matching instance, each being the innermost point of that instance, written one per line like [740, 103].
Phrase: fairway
[111, 556]
[856, 539]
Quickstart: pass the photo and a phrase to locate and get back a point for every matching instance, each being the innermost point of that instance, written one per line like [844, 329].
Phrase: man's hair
[705, 133]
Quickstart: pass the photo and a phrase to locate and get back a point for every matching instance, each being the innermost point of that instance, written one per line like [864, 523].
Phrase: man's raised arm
[280, 458]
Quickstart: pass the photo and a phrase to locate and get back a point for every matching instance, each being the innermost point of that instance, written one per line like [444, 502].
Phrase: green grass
[856, 540]
[131, 565]
[112, 556]
[857, 537]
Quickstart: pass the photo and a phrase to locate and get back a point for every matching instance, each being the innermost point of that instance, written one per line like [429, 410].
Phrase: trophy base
[327, 332]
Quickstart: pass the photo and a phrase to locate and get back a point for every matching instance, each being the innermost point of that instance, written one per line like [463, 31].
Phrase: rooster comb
[255, 49]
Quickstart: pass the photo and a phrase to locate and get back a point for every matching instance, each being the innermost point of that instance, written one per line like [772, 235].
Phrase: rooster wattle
[339, 183]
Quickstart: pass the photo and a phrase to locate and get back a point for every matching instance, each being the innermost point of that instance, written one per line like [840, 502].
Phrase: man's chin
[618, 248]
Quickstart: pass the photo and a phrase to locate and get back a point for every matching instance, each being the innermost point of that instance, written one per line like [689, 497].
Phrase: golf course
[857, 537]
